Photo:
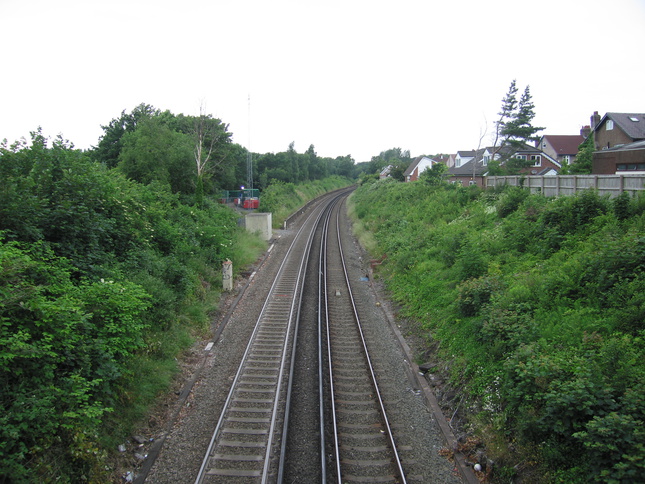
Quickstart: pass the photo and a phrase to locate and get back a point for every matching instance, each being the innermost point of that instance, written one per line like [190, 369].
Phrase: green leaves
[49, 377]
[547, 295]
[92, 268]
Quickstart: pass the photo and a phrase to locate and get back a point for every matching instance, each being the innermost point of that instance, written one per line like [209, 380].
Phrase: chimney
[595, 120]
[585, 131]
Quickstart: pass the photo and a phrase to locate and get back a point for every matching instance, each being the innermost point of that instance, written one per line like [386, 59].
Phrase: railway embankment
[526, 315]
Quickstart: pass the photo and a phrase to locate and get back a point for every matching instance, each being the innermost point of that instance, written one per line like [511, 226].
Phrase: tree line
[194, 155]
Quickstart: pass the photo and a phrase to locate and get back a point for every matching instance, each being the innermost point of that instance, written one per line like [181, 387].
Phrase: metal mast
[249, 156]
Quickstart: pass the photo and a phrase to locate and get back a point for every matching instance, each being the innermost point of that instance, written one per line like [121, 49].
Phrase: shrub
[616, 446]
[505, 329]
[62, 348]
[549, 290]
[474, 294]
[510, 200]
[568, 215]
[621, 205]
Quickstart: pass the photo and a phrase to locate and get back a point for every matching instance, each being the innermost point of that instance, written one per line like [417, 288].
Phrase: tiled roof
[467, 168]
[564, 144]
[633, 124]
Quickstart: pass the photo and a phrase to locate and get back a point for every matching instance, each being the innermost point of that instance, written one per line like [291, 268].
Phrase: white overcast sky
[351, 77]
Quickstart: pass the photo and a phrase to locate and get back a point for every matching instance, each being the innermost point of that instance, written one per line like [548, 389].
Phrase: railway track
[363, 441]
[246, 443]
[249, 442]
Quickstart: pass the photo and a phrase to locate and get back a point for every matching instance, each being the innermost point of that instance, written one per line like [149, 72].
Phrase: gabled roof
[478, 159]
[547, 172]
[415, 163]
[467, 168]
[633, 124]
[564, 144]
[466, 153]
[412, 166]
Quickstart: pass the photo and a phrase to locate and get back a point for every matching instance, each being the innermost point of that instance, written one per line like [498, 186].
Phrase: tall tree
[110, 144]
[584, 158]
[210, 137]
[509, 105]
[156, 153]
[394, 156]
[514, 127]
[519, 130]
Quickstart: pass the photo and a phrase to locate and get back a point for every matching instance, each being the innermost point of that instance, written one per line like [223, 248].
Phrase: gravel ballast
[180, 435]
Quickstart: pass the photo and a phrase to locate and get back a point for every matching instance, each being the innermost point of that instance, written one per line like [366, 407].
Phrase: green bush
[510, 201]
[62, 349]
[504, 329]
[476, 293]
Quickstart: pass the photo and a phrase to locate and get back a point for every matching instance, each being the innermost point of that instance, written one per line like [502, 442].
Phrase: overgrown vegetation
[101, 282]
[282, 199]
[538, 304]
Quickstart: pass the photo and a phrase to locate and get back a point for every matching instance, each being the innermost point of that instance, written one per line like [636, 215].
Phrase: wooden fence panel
[566, 185]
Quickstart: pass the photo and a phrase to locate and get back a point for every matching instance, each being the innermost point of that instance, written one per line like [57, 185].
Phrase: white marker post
[227, 275]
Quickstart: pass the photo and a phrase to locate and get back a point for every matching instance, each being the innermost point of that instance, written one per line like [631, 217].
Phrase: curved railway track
[245, 446]
[363, 441]
[355, 441]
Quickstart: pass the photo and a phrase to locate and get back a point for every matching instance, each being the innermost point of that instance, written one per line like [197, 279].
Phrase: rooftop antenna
[249, 156]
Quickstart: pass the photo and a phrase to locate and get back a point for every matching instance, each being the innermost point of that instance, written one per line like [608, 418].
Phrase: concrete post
[227, 275]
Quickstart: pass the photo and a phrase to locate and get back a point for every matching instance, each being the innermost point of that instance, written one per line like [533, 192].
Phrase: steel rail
[374, 383]
[323, 305]
[297, 289]
[281, 466]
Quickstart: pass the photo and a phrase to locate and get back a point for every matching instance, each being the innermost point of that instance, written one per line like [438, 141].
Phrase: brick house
[543, 164]
[562, 148]
[474, 170]
[619, 139]
[469, 167]
[615, 129]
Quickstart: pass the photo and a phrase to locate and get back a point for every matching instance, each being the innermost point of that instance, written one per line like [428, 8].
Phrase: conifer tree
[519, 130]
[514, 128]
[509, 105]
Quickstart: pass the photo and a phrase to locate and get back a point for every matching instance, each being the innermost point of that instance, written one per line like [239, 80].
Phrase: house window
[566, 159]
[486, 160]
[520, 157]
[630, 167]
[537, 160]
[610, 124]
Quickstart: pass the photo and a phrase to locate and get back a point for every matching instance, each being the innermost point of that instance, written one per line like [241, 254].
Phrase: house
[622, 159]
[543, 163]
[463, 157]
[418, 165]
[470, 167]
[615, 129]
[385, 172]
[474, 171]
[562, 148]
